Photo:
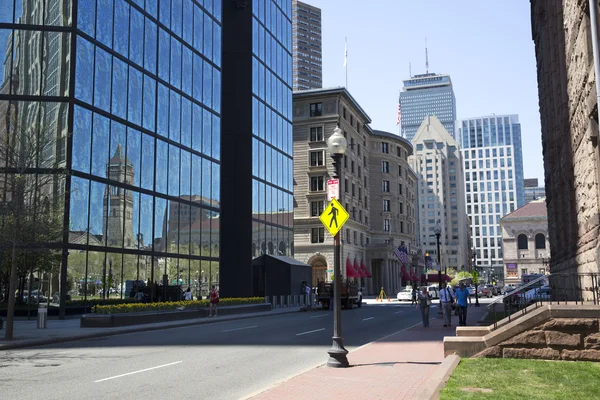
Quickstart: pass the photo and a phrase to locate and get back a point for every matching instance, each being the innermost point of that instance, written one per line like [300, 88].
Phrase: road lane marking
[319, 316]
[306, 333]
[137, 372]
[398, 312]
[239, 329]
[366, 319]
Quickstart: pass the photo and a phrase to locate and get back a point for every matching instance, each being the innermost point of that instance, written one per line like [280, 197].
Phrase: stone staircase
[550, 332]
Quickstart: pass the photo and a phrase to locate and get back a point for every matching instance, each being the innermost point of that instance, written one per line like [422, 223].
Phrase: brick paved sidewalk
[395, 367]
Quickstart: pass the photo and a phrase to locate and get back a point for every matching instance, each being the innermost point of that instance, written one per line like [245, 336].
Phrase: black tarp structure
[278, 275]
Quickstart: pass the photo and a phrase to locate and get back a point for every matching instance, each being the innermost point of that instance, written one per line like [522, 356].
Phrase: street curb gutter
[439, 378]
[55, 340]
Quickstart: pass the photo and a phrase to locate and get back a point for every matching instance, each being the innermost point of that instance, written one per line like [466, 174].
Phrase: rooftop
[330, 91]
[535, 209]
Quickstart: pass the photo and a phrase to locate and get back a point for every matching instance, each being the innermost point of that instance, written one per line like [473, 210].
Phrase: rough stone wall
[573, 339]
[566, 84]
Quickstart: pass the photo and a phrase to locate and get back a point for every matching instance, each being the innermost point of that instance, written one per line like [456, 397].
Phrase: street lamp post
[438, 233]
[476, 284]
[337, 145]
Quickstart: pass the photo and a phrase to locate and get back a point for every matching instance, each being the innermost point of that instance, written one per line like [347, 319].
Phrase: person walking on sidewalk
[447, 298]
[424, 305]
[462, 294]
[214, 300]
[414, 295]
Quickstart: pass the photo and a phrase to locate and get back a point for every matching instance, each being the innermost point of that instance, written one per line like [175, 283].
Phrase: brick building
[562, 36]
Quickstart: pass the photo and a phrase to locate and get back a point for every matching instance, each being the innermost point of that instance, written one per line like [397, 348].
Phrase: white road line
[398, 312]
[306, 333]
[239, 329]
[319, 316]
[137, 372]
[366, 319]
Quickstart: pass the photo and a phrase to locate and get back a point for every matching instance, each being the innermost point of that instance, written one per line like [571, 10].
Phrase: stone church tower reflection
[118, 203]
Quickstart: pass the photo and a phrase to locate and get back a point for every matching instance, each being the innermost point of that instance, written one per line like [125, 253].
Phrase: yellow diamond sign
[334, 217]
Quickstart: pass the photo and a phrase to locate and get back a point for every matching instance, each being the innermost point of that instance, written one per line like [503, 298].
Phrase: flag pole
[346, 59]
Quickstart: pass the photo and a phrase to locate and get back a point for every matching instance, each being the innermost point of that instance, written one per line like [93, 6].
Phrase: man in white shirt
[447, 298]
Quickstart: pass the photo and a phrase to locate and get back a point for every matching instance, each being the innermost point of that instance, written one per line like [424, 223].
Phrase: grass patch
[523, 379]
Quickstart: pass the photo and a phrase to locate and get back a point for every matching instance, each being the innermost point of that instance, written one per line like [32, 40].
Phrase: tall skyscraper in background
[533, 191]
[494, 187]
[424, 95]
[437, 161]
[307, 46]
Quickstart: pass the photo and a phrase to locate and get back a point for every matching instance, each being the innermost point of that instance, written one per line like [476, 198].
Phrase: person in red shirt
[214, 300]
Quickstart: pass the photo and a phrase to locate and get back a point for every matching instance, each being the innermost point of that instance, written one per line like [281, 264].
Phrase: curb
[41, 342]
[439, 378]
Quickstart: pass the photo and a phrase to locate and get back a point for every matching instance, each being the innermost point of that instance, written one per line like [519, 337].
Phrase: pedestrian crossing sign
[334, 217]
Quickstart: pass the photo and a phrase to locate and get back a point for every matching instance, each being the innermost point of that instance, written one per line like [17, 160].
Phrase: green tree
[30, 204]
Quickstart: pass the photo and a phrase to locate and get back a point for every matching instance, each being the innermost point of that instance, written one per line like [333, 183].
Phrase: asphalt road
[227, 360]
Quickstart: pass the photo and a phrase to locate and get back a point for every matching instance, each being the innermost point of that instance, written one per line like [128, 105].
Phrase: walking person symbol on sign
[333, 217]
[333, 214]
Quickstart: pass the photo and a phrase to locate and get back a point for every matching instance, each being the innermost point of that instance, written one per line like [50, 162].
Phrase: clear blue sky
[485, 46]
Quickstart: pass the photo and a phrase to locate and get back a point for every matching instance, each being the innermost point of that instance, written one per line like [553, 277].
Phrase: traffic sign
[334, 217]
[333, 189]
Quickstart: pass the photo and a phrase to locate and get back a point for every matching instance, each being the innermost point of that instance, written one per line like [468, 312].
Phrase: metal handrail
[518, 289]
[570, 289]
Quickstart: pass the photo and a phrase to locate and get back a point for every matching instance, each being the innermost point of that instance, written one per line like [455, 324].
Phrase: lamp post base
[337, 354]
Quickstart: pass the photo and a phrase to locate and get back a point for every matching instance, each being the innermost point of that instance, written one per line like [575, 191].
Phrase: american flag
[402, 254]
[399, 113]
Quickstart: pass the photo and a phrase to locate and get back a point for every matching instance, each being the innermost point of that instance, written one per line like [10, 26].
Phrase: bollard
[42, 316]
[274, 304]
[296, 302]
[282, 298]
[289, 300]
[267, 299]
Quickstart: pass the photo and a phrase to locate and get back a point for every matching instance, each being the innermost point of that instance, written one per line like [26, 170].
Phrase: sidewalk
[60, 331]
[398, 366]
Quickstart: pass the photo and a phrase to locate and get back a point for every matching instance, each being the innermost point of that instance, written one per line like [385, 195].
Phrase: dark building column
[235, 279]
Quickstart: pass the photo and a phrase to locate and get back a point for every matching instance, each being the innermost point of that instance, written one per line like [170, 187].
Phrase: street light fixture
[337, 145]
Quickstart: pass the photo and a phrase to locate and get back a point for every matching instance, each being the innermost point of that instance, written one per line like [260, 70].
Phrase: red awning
[350, 272]
[358, 270]
[435, 278]
[365, 270]
[406, 276]
[414, 277]
[423, 278]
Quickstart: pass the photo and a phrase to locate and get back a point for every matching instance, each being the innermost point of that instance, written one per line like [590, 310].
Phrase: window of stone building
[316, 183]
[386, 225]
[385, 148]
[522, 242]
[316, 109]
[317, 158]
[316, 208]
[317, 235]
[540, 241]
[386, 205]
[316, 134]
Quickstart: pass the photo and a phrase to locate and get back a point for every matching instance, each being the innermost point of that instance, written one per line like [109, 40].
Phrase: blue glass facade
[494, 183]
[130, 92]
[423, 95]
[272, 176]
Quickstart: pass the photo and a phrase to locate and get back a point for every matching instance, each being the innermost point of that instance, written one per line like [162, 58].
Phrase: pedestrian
[462, 294]
[414, 295]
[307, 292]
[214, 300]
[424, 304]
[446, 299]
[188, 295]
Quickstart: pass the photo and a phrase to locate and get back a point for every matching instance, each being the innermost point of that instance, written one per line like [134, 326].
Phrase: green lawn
[513, 379]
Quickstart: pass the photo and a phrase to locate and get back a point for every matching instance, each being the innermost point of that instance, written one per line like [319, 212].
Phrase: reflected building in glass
[256, 176]
[125, 96]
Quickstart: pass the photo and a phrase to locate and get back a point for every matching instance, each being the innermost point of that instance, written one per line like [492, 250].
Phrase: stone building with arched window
[525, 242]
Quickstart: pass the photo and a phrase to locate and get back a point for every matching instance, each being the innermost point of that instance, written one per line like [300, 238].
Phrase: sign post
[334, 217]
[333, 189]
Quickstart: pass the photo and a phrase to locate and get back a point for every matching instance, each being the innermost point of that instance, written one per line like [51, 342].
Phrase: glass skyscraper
[494, 184]
[127, 97]
[424, 95]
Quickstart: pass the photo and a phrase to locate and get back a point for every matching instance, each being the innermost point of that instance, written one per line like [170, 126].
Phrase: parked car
[405, 294]
[471, 290]
[433, 291]
[489, 291]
